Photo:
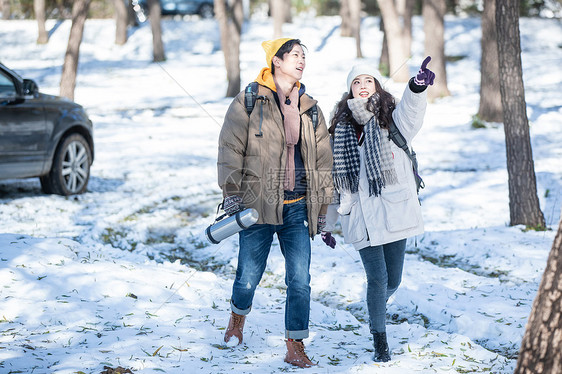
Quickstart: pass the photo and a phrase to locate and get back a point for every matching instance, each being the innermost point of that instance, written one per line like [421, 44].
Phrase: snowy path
[93, 280]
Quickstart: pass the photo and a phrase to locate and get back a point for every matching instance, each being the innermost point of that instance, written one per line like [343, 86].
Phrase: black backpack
[398, 139]
[251, 95]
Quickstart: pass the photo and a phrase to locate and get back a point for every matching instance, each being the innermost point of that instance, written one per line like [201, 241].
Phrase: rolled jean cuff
[239, 311]
[299, 334]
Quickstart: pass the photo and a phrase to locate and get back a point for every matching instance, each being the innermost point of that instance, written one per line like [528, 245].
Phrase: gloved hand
[328, 239]
[232, 204]
[425, 76]
[321, 222]
[326, 235]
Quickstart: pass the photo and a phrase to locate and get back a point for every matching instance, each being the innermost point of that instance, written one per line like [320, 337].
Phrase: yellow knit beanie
[271, 47]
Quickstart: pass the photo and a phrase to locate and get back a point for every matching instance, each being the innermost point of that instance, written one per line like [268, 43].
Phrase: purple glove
[328, 239]
[232, 204]
[425, 76]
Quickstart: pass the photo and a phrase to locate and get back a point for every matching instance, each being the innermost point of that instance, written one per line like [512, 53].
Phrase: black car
[204, 8]
[43, 136]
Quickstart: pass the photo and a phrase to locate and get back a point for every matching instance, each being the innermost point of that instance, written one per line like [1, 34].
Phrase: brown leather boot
[296, 356]
[235, 327]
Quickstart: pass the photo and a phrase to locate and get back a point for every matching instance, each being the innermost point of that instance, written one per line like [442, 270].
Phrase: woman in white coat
[378, 203]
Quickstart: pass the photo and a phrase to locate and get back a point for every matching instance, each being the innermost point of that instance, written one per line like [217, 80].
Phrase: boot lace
[299, 349]
[236, 320]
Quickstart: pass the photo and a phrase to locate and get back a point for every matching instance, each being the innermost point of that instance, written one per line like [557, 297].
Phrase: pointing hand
[425, 76]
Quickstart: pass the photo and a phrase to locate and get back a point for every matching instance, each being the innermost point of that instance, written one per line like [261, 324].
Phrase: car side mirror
[30, 88]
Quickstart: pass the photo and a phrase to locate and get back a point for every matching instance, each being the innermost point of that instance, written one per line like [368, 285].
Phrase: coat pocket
[398, 210]
[353, 225]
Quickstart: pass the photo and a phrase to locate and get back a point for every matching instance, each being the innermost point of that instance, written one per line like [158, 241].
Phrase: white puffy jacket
[396, 213]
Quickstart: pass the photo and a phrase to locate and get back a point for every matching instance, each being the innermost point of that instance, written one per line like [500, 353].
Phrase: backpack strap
[313, 113]
[250, 95]
[398, 139]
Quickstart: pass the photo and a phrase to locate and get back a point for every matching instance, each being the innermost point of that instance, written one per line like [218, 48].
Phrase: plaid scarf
[379, 162]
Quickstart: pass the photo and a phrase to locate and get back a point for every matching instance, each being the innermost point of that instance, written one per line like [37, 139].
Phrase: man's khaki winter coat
[251, 160]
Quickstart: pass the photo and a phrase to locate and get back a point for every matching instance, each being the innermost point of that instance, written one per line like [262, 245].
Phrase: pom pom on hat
[361, 69]
[271, 47]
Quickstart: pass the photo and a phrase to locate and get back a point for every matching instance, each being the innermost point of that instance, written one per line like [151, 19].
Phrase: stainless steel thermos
[231, 225]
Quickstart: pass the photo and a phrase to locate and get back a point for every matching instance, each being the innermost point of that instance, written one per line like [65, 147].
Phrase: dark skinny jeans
[383, 265]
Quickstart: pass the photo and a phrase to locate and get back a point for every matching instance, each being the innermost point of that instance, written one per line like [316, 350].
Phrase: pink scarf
[292, 122]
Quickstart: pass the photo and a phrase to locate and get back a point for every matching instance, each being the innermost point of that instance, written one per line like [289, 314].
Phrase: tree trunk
[490, 108]
[406, 10]
[524, 205]
[230, 18]
[541, 348]
[154, 12]
[395, 40]
[6, 11]
[39, 8]
[355, 11]
[345, 28]
[288, 15]
[70, 65]
[121, 18]
[433, 12]
[278, 15]
[384, 63]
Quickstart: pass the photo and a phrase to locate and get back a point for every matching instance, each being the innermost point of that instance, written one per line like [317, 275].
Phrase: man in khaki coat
[278, 161]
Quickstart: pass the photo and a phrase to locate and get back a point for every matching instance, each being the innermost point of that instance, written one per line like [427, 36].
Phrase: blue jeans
[383, 265]
[294, 240]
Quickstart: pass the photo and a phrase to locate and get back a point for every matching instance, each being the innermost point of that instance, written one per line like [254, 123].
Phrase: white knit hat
[361, 69]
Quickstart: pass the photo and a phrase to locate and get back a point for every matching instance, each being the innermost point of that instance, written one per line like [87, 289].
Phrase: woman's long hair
[385, 107]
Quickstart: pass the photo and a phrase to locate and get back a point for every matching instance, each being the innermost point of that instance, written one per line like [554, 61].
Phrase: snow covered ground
[122, 276]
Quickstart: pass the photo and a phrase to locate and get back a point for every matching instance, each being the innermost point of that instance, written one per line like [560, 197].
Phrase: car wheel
[206, 11]
[70, 170]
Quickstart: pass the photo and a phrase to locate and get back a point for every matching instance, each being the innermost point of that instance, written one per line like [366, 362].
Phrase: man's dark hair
[286, 48]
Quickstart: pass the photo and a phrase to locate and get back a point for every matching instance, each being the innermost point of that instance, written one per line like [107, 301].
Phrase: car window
[7, 88]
